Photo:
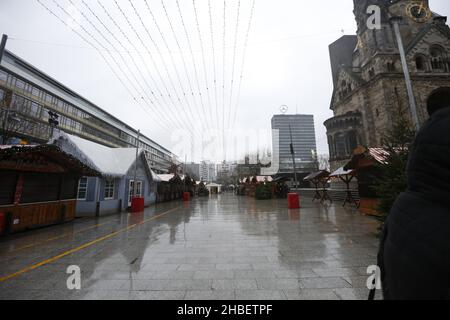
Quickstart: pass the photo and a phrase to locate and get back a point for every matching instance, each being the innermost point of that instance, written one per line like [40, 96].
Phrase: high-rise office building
[301, 127]
[207, 172]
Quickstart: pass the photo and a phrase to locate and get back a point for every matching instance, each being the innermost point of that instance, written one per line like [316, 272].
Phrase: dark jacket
[415, 246]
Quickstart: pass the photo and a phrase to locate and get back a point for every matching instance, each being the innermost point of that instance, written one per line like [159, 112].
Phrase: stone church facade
[369, 83]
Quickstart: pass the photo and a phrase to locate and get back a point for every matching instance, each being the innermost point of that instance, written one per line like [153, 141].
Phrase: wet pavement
[224, 247]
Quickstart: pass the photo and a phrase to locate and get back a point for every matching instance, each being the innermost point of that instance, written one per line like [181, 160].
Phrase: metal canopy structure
[320, 178]
[346, 176]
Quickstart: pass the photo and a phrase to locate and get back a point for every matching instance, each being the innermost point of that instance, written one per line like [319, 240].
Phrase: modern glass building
[304, 141]
[27, 95]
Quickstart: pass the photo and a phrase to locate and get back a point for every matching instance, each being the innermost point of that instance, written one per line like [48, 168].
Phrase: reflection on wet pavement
[225, 247]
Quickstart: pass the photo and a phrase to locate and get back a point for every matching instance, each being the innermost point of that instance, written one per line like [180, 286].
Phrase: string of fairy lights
[159, 52]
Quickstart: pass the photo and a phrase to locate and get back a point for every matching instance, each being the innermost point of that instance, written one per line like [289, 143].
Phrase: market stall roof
[280, 179]
[366, 158]
[214, 185]
[168, 177]
[37, 158]
[342, 172]
[317, 175]
[114, 162]
[264, 178]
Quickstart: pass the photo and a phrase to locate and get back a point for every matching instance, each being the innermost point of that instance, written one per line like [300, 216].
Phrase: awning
[43, 158]
[280, 179]
[165, 177]
[155, 177]
[317, 175]
[342, 172]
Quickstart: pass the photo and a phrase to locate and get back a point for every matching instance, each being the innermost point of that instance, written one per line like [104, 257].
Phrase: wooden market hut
[38, 186]
[171, 187]
[365, 165]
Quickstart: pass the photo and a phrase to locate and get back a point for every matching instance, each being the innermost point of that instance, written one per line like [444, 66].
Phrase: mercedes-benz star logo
[284, 109]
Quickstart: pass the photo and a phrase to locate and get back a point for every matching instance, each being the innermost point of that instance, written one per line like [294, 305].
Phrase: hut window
[109, 189]
[82, 189]
[40, 187]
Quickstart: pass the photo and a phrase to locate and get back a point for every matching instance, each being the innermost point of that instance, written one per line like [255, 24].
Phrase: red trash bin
[137, 204]
[293, 201]
[2, 223]
[186, 196]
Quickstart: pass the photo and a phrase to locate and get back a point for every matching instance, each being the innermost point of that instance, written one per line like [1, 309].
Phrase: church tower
[369, 82]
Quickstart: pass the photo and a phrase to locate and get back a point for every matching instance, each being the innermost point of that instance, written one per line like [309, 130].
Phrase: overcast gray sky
[287, 60]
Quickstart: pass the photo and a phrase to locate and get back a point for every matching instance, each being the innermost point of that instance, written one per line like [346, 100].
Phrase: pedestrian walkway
[224, 247]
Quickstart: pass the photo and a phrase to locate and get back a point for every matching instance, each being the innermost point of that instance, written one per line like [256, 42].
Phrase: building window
[352, 140]
[20, 84]
[3, 76]
[391, 67]
[82, 189]
[437, 58]
[109, 189]
[340, 145]
[420, 63]
[331, 147]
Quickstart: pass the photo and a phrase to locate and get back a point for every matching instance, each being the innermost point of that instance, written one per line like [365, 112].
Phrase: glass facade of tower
[304, 142]
[29, 95]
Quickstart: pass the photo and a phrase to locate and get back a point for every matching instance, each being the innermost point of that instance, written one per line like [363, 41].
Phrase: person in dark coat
[414, 253]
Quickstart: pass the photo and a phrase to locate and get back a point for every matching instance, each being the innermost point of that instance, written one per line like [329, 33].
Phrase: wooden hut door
[131, 190]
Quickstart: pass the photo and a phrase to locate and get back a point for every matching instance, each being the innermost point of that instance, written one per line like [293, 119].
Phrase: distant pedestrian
[415, 247]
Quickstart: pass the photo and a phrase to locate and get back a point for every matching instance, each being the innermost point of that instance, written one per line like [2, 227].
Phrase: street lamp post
[2, 46]
[293, 156]
[412, 100]
[53, 122]
[136, 164]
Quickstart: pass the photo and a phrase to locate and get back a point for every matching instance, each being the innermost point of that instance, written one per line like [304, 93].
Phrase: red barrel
[294, 201]
[186, 196]
[137, 204]
[2, 223]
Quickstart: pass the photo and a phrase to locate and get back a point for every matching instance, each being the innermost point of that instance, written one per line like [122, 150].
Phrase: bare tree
[324, 162]
[14, 121]
[10, 122]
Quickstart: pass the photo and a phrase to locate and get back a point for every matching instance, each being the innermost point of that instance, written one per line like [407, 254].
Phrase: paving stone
[311, 294]
[210, 295]
[224, 247]
[324, 283]
[260, 295]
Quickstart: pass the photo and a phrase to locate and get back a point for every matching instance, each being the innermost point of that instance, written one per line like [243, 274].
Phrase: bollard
[2, 223]
[137, 204]
[186, 197]
[293, 201]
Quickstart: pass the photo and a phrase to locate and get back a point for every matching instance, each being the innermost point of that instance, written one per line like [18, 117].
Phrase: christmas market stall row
[38, 186]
